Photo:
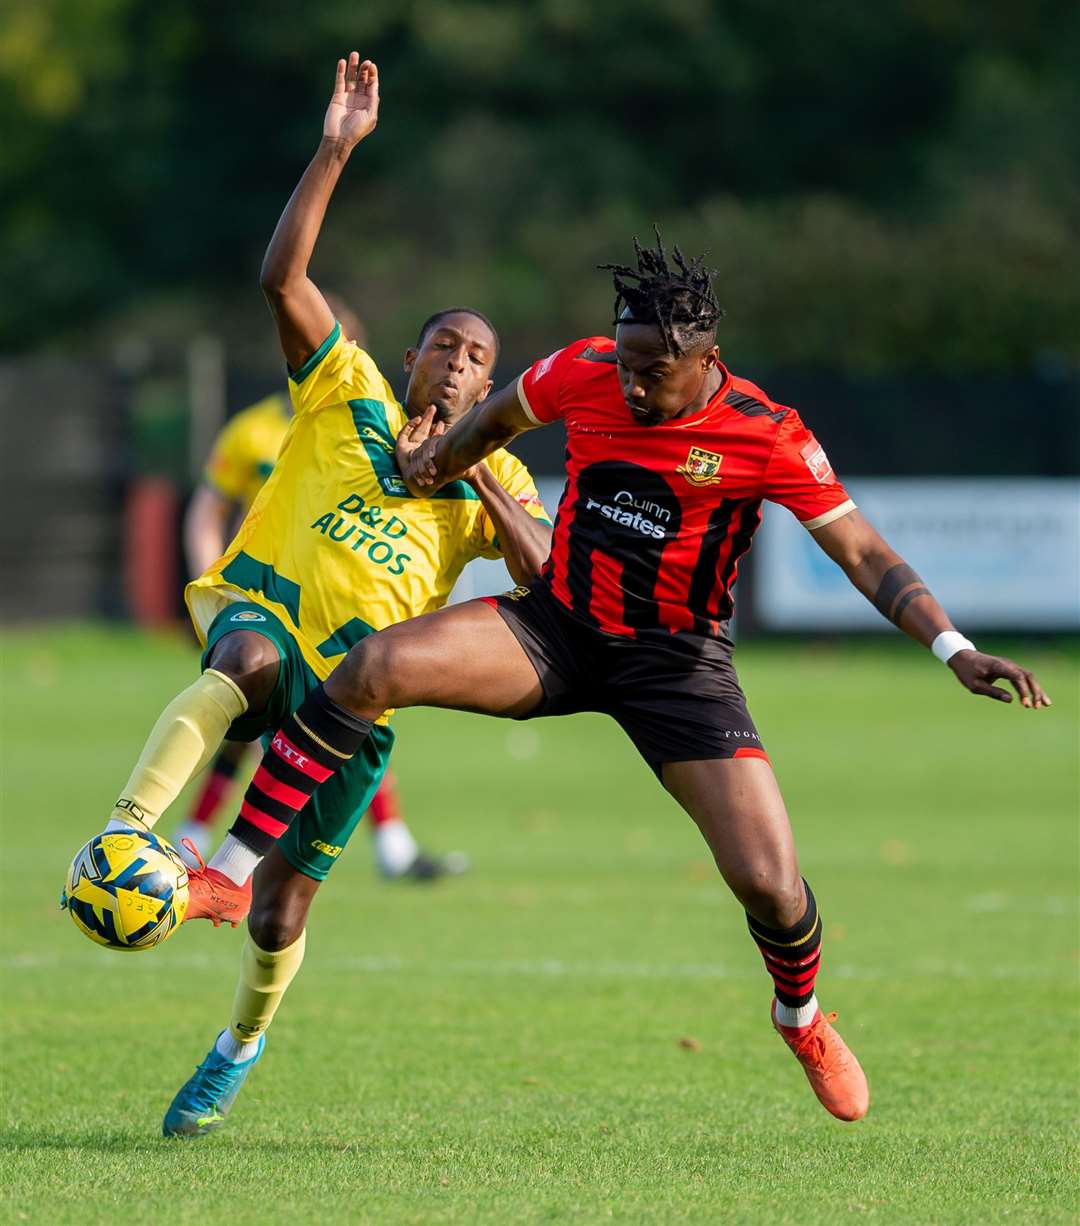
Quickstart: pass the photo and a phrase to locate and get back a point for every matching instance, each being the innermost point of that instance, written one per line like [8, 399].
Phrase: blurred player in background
[334, 548]
[240, 461]
[669, 457]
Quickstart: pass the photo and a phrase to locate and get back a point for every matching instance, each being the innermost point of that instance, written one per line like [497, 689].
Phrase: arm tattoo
[888, 599]
[906, 599]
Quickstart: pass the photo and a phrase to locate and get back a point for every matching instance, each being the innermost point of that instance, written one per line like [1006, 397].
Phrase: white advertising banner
[999, 553]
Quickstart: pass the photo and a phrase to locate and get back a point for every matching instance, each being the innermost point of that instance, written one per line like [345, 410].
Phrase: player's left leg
[737, 806]
[270, 959]
[283, 887]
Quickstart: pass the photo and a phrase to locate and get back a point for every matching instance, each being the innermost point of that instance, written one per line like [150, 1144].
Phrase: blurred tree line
[882, 187]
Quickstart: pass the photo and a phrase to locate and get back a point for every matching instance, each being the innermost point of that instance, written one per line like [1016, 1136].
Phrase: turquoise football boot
[203, 1101]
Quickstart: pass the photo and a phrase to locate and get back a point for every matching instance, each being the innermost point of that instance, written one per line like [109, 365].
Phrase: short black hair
[678, 300]
[433, 321]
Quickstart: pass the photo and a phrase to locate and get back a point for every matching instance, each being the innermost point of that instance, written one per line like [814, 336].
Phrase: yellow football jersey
[334, 545]
[246, 450]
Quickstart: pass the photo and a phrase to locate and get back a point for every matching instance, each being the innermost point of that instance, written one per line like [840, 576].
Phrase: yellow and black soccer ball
[127, 890]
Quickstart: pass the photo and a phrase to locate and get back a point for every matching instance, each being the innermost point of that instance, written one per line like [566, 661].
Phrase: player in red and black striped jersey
[656, 514]
[669, 457]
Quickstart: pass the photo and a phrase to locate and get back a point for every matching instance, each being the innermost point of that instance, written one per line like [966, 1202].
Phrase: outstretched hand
[977, 671]
[354, 105]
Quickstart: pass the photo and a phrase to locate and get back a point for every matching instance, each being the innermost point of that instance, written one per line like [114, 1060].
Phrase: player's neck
[710, 385]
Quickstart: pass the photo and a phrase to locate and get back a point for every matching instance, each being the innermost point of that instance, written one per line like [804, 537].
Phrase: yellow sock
[184, 739]
[264, 976]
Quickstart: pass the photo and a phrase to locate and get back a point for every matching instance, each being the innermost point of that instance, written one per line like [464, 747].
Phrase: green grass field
[507, 1047]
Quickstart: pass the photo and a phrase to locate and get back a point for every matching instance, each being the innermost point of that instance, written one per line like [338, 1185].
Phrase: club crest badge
[701, 467]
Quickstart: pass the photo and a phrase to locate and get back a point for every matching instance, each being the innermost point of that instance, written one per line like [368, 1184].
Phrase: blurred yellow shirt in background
[246, 450]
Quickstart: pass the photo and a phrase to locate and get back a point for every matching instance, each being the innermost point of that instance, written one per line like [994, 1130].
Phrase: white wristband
[948, 643]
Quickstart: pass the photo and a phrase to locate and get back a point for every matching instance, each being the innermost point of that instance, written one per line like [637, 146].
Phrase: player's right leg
[240, 671]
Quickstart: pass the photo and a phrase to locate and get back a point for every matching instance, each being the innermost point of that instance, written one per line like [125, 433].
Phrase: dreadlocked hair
[678, 299]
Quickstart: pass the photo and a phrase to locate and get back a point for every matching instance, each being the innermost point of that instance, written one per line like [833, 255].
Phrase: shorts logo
[518, 593]
[247, 615]
[326, 848]
[701, 467]
[818, 462]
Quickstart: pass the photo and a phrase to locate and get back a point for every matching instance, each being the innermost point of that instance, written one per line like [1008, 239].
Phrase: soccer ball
[127, 890]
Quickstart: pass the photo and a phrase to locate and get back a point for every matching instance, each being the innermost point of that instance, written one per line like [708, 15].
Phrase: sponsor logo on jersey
[375, 437]
[701, 467]
[327, 849]
[818, 462]
[641, 515]
[247, 615]
[361, 526]
[518, 593]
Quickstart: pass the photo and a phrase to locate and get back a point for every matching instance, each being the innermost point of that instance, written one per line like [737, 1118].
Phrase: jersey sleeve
[516, 479]
[541, 387]
[337, 370]
[800, 477]
[230, 468]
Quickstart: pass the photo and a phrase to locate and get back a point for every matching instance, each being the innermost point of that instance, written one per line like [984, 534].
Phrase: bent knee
[277, 926]
[369, 673]
[251, 660]
[771, 895]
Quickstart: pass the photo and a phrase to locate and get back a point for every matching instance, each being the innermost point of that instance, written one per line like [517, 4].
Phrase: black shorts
[675, 695]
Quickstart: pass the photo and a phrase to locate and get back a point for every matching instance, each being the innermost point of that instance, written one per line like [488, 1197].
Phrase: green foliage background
[881, 187]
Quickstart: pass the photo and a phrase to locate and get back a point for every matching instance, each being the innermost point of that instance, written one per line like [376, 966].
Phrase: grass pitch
[578, 1031]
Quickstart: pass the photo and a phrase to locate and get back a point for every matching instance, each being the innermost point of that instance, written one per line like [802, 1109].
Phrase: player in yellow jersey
[241, 459]
[333, 548]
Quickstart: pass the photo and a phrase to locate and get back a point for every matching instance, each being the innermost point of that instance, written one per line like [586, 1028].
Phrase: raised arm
[898, 594]
[303, 318]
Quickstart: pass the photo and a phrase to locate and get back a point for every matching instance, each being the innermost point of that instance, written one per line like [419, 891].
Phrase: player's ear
[710, 358]
[485, 391]
[410, 361]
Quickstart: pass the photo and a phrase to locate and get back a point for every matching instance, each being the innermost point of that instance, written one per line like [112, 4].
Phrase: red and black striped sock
[313, 743]
[792, 955]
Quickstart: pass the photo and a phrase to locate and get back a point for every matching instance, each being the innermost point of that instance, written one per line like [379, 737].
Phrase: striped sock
[792, 956]
[312, 744]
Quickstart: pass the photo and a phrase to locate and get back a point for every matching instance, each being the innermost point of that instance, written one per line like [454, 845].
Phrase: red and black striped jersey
[654, 519]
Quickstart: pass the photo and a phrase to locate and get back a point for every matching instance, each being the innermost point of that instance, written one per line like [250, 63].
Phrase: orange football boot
[829, 1064]
[212, 896]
